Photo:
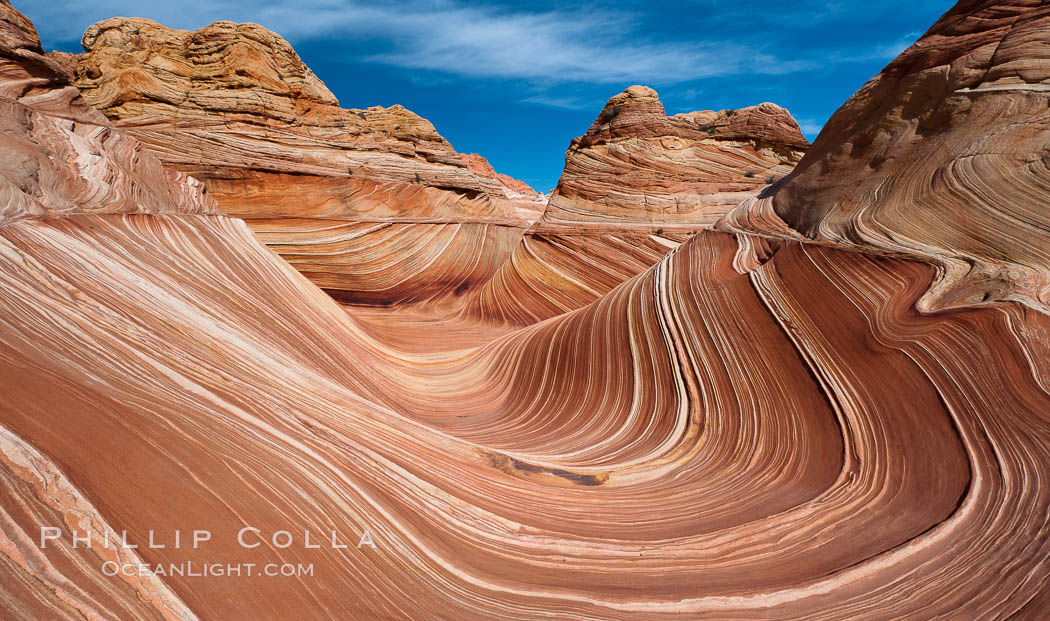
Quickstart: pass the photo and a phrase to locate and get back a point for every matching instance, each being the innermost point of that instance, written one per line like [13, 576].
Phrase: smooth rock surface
[943, 157]
[751, 428]
[234, 106]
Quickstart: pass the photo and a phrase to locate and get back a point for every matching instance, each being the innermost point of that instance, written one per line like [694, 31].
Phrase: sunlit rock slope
[755, 427]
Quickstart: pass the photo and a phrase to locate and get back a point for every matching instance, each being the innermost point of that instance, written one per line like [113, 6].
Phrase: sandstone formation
[636, 185]
[63, 156]
[512, 187]
[234, 106]
[637, 166]
[754, 427]
[942, 157]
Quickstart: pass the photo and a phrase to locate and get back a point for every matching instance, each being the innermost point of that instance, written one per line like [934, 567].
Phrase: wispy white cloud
[885, 52]
[559, 46]
[596, 46]
[567, 103]
[893, 49]
[453, 38]
[689, 94]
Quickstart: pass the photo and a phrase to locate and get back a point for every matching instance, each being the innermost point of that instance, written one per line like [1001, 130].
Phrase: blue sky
[516, 81]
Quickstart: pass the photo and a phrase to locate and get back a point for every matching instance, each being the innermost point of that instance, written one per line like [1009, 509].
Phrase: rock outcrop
[234, 106]
[511, 186]
[637, 166]
[636, 185]
[529, 209]
[65, 159]
[940, 157]
[753, 428]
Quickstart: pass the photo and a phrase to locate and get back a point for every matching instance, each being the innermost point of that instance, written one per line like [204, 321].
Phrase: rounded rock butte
[234, 106]
[777, 419]
[636, 185]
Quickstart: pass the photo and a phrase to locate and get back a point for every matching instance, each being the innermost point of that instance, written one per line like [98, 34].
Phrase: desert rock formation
[754, 427]
[637, 166]
[64, 157]
[234, 106]
[511, 187]
[636, 185]
[942, 157]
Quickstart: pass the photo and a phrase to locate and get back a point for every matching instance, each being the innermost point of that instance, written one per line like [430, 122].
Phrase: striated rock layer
[386, 212]
[601, 491]
[637, 184]
[529, 204]
[751, 428]
[943, 157]
[62, 156]
[234, 106]
[636, 166]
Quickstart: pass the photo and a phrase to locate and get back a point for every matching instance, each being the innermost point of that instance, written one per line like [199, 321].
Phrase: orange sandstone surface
[779, 418]
[635, 186]
[234, 106]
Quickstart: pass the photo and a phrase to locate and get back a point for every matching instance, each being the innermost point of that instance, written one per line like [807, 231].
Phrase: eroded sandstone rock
[635, 186]
[64, 158]
[942, 157]
[637, 166]
[705, 441]
[234, 106]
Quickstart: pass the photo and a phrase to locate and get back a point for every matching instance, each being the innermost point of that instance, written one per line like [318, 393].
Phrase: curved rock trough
[679, 393]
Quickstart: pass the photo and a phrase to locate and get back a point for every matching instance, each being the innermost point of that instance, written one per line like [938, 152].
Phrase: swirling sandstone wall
[943, 157]
[234, 106]
[754, 427]
[636, 185]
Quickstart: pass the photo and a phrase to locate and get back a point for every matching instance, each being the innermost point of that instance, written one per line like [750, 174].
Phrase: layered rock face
[752, 428]
[636, 185]
[64, 158]
[529, 203]
[941, 157]
[637, 166]
[234, 106]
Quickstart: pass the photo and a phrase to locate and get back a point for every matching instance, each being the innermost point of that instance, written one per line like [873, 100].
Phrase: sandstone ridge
[636, 165]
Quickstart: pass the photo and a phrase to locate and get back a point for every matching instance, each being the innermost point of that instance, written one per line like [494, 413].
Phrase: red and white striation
[753, 427]
[234, 106]
[63, 157]
[636, 185]
[942, 157]
[637, 167]
[529, 204]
